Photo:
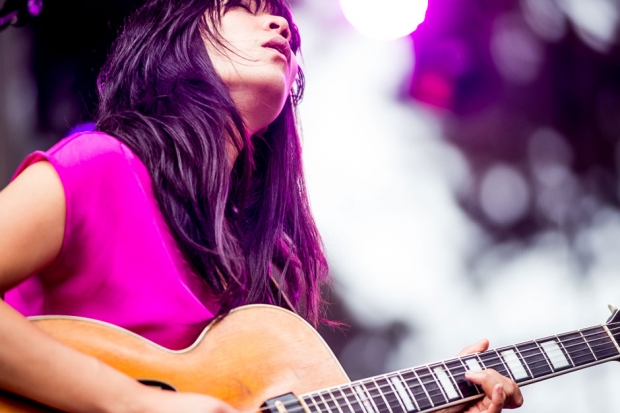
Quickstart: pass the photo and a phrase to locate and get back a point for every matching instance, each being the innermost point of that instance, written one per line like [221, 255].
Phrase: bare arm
[32, 220]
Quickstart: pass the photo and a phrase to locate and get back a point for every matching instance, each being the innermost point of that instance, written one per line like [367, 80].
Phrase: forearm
[39, 367]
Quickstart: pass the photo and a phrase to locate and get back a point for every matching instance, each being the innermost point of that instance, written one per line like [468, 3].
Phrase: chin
[261, 98]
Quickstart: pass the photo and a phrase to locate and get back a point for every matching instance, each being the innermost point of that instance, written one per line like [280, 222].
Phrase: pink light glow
[387, 19]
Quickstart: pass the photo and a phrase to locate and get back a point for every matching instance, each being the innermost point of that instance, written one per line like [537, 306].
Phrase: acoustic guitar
[265, 359]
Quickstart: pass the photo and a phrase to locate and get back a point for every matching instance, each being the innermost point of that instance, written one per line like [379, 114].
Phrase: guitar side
[255, 353]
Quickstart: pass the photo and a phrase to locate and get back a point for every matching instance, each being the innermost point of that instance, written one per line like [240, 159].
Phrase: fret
[433, 386]
[329, 402]
[366, 399]
[504, 365]
[577, 348]
[377, 396]
[351, 399]
[492, 360]
[390, 395]
[535, 359]
[446, 383]
[614, 330]
[429, 383]
[518, 353]
[587, 344]
[335, 400]
[311, 405]
[360, 400]
[514, 363]
[411, 387]
[399, 383]
[457, 369]
[601, 343]
[419, 393]
[319, 403]
[554, 354]
[568, 357]
[473, 363]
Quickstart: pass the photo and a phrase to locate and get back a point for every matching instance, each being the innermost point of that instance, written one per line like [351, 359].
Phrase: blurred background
[462, 158]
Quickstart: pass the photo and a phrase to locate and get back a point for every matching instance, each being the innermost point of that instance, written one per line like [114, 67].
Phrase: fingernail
[501, 390]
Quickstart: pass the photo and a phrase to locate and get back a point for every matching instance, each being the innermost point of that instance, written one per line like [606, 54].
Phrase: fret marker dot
[362, 394]
[446, 383]
[473, 365]
[398, 385]
[514, 364]
[555, 355]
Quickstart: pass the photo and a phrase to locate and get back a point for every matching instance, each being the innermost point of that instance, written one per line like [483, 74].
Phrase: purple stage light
[387, 19]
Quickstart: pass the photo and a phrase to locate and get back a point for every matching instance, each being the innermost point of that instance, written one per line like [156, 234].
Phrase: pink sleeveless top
[118, 262]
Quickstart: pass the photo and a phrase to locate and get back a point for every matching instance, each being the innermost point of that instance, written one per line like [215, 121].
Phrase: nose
[278, 24]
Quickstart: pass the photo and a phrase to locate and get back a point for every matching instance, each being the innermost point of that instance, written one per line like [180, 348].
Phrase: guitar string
[419, 380]
[437, 391]
[368, 392]
[528, 359]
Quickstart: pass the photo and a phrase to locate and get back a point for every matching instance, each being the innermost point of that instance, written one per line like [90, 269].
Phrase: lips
[280, 45]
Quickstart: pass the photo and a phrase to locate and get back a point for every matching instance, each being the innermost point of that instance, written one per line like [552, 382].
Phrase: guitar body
[255, 353]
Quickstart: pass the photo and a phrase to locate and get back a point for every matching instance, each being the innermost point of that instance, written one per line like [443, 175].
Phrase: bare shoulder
[32, 221]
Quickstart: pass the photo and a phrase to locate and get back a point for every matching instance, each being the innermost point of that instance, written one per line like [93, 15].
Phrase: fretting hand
[500, 391]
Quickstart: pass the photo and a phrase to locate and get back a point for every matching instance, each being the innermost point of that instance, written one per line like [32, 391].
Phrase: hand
[499, 391]
[161, 401]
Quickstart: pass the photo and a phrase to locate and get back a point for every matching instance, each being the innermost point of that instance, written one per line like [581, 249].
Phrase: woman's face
[255, 61]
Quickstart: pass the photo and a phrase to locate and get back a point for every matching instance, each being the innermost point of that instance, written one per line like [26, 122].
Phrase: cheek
[293, 72]
[224, 68]
[222, 62]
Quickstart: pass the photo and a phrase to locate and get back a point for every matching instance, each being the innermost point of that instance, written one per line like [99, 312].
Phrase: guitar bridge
[287, 403]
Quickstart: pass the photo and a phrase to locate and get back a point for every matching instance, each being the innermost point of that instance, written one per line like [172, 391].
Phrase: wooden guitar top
[255, 353]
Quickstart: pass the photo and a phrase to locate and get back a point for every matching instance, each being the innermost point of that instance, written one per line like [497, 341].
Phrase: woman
[187, 202]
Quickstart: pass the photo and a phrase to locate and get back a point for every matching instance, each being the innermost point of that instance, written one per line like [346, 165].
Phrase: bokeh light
[517, 53]
[596, 21]
[387, 20]
[504, 195]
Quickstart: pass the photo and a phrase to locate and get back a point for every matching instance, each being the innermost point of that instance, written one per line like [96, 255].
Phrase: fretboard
[438, 385]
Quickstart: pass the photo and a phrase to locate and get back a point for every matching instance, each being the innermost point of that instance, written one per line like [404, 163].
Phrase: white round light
[504, 195]
[385, 19]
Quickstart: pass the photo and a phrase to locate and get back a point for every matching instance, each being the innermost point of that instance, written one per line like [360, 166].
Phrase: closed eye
[245, 7]
[238, 4]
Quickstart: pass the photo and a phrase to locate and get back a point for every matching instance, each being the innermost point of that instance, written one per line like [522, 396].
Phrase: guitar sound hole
[158, 384]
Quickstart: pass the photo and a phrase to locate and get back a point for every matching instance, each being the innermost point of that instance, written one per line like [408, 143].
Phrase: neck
[443, 384]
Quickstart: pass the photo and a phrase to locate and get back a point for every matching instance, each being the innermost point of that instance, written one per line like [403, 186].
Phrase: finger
[453, 409]
[222, 407]
[211, 404]
[498, 398]
[514, 398]
[478, 347]
[489, 379]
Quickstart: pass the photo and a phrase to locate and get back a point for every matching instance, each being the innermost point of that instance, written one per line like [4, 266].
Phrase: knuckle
[491, 373]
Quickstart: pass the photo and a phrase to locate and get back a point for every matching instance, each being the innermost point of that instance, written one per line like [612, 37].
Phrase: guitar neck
[439, 385]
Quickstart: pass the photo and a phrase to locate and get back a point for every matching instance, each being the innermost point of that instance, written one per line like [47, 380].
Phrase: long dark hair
[160, 95]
